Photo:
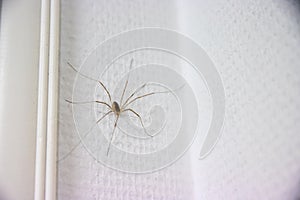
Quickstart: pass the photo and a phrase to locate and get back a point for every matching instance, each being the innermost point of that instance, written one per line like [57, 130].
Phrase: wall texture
[255, 47]
[85, 25]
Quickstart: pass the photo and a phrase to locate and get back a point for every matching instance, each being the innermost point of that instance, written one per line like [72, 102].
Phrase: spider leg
[84, 102]
[149, 94]
[137, 90]
[106, 90]
[112, 135]
[139, 97]
[141, 121]
[85, 135]
[126, 83]
[85, 76]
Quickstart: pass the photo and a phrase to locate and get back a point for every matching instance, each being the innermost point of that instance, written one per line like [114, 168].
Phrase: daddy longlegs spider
[114, 107]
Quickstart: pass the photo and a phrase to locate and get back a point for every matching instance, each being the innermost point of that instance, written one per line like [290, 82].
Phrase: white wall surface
[255, 47]
[83, 26]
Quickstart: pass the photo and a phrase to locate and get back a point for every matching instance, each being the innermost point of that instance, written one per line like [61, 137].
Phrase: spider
[115, 107]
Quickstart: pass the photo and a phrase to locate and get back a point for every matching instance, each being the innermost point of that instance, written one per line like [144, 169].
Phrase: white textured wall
[84, 25]
[255, 47]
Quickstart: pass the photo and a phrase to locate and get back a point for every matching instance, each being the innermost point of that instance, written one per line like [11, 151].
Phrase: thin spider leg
[137, 90]
[139, 97]
[123, 91]
[85, 76]
[106, 90]
[149, 94]
[126, 83]
[85, 135]
[112, 135]
[129, 109]
[85, 102]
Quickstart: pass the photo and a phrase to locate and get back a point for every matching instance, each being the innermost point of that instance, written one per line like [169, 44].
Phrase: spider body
[116, 108]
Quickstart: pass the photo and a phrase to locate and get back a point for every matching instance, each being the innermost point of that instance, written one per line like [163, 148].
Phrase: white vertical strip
[42, 103]
[50, 193]
[19, 55]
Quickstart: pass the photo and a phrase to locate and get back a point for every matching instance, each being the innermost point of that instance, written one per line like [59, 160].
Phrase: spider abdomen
[116, 108]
